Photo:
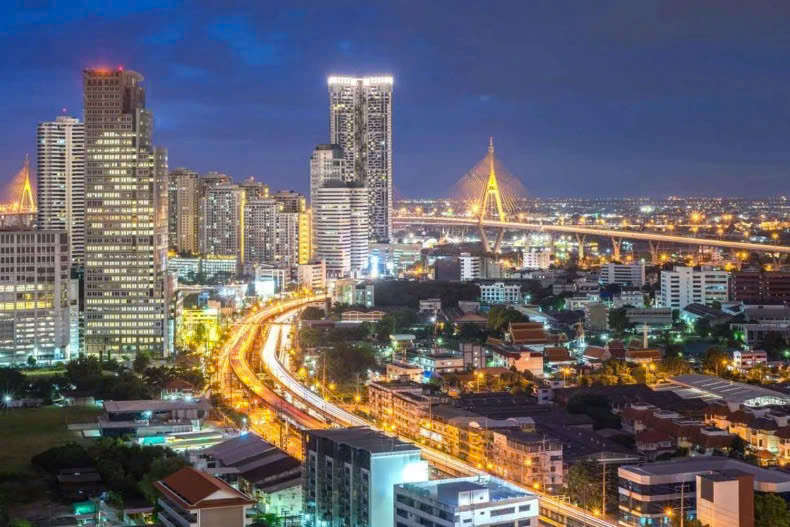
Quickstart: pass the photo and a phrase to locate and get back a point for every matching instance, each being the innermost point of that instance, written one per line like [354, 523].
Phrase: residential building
[360, 122]
[398, 371]
[748, 359]
[350, 473]
[183, 211]
[212, 266]
[474, 355]
[205, 182]
[193, 498]
[537, 258]
[761, 287]
[528, 458]
[261, 231]
[725, 499]
[60, 180]
[500, 293]
[651, 493]
[623, 274]
[478, 500]
[470, 267]
[254, 189]
[353, 293]
[125, 218]
[222, 230]
[688, 285]
[327, 165]
[340, 229]
[277, 278]
[312, 275]
[596, 316]
[35, 302]
[291, 201]
[762, 322]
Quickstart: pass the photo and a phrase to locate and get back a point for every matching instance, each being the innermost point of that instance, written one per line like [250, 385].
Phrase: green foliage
[702, 327]
[12, 381]
[160, 468]
[499, 317]
[141, 361]
[470, 331]
[70, 455]
[584, 486]
[394, 323]
[159, 376]
[267, 519]
[714, 359]
[409, 293]
[345, 361]
[673, 365]
[770, 510]
[313, 313]
[618, 322]
[309, 337]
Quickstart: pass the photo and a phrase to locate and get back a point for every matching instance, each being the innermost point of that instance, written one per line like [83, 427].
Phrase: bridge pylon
[491, 204]
[26, 203]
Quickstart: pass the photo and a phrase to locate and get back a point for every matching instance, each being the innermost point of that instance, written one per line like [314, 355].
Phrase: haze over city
[584, 99]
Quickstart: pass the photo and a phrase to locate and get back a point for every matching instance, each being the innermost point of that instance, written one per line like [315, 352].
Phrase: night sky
[583, 98]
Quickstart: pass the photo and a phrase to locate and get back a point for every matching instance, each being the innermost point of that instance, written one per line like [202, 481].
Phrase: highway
[589, 230]
[278, 333]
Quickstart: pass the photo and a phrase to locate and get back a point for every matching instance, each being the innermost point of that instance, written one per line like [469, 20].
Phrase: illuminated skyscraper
[326, 164]
[360, 122]
[222, 230]
[125, 218]
[340, 227]
[61, 180]
[183, 207]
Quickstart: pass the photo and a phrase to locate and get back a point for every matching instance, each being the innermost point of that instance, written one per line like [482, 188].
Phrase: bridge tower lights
[491, 204]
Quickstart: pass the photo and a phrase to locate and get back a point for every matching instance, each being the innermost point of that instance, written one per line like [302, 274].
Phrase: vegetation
[770, 510]
[584, 485]
[618, 321]
[596, 407]
[313, 313]
[409, 294]
[499, 317]
[345, 361]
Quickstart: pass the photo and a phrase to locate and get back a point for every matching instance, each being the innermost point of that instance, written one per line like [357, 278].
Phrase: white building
[312, 275]
[269, 278]
[222, 228]
[261, 231]
[623, 274]
[340, 227]
[460, 502]
[537, 258]
[686, 285]
[327, 164]
[470, 267]
[500, 293]
[360, 122]
[183, 205]
[34, 296]
[60, 174]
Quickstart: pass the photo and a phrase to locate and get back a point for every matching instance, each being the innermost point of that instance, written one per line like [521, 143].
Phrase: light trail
[594, 231]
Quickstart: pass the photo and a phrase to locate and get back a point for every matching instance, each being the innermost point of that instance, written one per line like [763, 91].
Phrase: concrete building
[537, 258]
[623, 274]
[34, 296]
[312, 275]
[478, 500]
[748, 359]
[500, 293]
[254, 189]
[205, 182]
[188, 267]
[327, 165]
[470, 267]
[340, 229]
[60, 180]
[360, 122]
[277, 279]
[349, 476]
[688, 285]
[761, 287]
[596, 316]
[191, 498]
[261, 232]
[125, 218]
[656, 317]
[353, 293]
[183, 210]
[725, 499]
[393, 259]
[222, 230]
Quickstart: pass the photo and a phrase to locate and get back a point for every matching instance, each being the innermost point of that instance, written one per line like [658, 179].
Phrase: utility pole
[603, 486]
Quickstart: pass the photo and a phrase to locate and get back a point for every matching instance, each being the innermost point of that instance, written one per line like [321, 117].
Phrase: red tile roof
[191, 488]
[557, 354]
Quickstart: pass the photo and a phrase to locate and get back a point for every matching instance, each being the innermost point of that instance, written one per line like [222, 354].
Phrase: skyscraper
[326, 164]
[261, 231]
[360, 122]
[340, 227]
[222, 229]
[61, 180]
[205, 182]
[183, 206]
[125, 228]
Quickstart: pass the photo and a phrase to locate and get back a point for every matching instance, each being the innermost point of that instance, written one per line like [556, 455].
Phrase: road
[594, 231]
[549, 506]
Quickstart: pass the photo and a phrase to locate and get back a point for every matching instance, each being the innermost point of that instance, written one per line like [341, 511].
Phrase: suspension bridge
[19, 207]
[493, 207]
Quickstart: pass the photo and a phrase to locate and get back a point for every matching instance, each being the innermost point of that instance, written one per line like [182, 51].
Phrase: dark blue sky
[584, 98]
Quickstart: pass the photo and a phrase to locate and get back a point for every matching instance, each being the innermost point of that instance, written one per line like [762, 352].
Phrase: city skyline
[572, 115]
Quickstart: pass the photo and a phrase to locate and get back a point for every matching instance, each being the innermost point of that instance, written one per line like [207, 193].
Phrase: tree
[141, 361]
[715, 359]
[160, 469]
[672, 365]
[618, 321]
[312, 313]
[266, 519]
[500, 317]
[702, 327]
[470, 331]
[31, 361]
[585, 484]
[770, 510]
[309, 337]
[12, 381]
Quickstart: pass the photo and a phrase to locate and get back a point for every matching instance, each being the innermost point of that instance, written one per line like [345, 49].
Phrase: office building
[125, 228]
[312, 275]
[360, 122]
[623, 274]
[34, 296]
[183, 205]
[327, 165]
[193, 498]
[270, 279]
[340, 226]
[349, 476]
[688, 285]
[223, 228]
[650, 493]
[537, 258]
[478, 500]
[760, 287]
[209, 267]
[60, 174]
[500, 293]
[470, 267]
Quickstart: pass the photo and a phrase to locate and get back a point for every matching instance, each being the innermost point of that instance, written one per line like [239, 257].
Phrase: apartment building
[688, 285]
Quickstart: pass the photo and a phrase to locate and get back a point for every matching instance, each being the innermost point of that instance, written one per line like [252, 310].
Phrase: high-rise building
[183, 207]
[254, 189]
[34, 296]
[537, 258]
[327, 164]
[222, 231]
[360, 122]
[688, 285]
[291, 201]
[61, 180]
[340, 226]
[205, 182]
[261, 231]
[470, 267]
[124, 226]
[623, 274]
[349, 476]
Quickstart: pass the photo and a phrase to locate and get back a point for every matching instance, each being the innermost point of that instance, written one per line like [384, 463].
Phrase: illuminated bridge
[493, 194]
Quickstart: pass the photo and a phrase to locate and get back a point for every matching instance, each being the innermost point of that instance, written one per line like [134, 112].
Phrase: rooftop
[193, 489]
[365, 438]
[446, 490]
[155, 405]
[730, 391]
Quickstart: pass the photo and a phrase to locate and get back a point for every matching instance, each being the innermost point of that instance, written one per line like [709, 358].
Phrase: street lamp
[479, 376]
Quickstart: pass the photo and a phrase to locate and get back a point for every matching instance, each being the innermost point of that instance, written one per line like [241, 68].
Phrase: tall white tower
[327, 163]
[340, 228]
[61, 180]
[360, 122]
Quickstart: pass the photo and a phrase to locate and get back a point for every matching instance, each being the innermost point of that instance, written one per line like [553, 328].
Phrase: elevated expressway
[587, 230]
[552, 511]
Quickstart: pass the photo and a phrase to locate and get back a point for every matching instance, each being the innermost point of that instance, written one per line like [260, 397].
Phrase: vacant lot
[29, 431]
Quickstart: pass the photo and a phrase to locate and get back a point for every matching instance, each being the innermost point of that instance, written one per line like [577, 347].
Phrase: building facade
[125, 230]
[183, 205]
[688, 285]
[500, 293]
[327, 165]
[623, 274]
[222, 231]
[60, 174]
[360, 122]
[340, 226]
[761, 287]
[537, 258]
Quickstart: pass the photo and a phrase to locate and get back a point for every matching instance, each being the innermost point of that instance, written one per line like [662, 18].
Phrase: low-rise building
[748, 359]
[433, 305]
[500, 293]
[656, 317]
[153, 417]
[312, 275]
[357, 317]
[725, 499]
[398, 370]
[478, 500]
[623, 274]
